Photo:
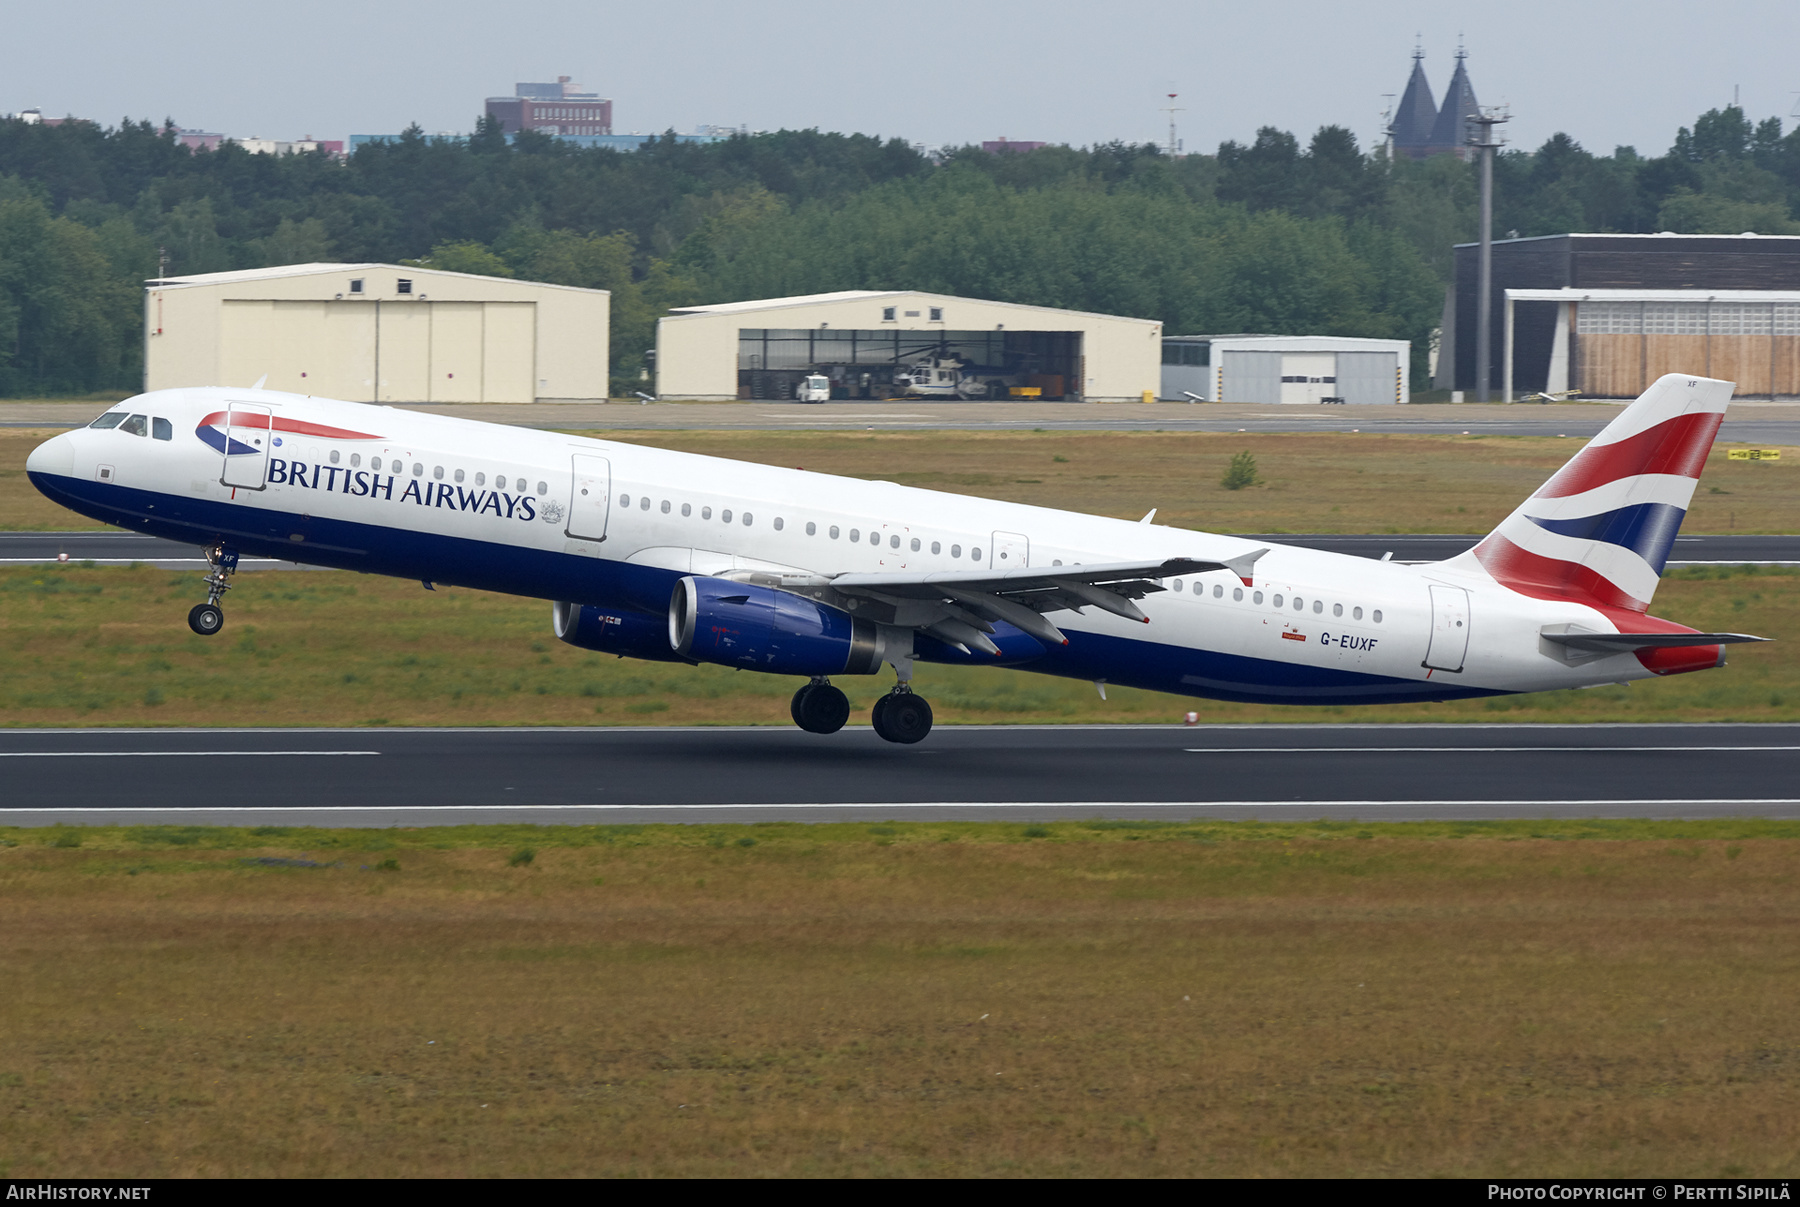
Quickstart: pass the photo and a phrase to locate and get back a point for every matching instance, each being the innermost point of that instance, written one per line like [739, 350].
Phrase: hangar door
[421, 351]
[1368, 377]
[1250, 377]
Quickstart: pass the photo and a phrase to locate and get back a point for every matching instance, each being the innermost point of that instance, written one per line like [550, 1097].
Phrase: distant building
[206, 140]
[557, 109]
[200, 140]
[1303, 369]
[1420, 128]
[610, 142]
[378, 333]
[1608, 314]
[1006, 146]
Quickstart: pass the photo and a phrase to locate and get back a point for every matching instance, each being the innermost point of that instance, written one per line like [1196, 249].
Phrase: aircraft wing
[960, 607]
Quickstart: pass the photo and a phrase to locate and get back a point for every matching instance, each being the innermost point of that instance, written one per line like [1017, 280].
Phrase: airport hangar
[1285, 369]
[335, 330]
[861, 339]
[1607, 314]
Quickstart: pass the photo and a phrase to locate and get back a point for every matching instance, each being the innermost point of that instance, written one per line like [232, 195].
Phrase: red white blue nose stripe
[212, 429]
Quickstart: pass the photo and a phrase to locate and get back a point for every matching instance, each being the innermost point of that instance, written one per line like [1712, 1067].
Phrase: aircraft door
[247, 432]
[1010, 552]
[1449, 629]
[590, 498]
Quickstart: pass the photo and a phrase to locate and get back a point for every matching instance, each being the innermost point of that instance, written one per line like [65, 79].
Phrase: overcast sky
[930, 72]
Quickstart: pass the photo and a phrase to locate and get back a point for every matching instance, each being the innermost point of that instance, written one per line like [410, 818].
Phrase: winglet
[1244, 564]
[1148, 516]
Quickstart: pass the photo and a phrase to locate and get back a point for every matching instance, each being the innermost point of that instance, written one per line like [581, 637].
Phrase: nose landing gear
[208, 618]
[819, 707]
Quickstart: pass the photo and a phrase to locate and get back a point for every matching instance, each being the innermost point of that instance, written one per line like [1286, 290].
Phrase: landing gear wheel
[206, 619]
[820, 708]
[902, 717]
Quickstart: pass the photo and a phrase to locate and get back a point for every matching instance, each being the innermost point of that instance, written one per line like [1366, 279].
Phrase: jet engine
[613, 631]
[765, 629]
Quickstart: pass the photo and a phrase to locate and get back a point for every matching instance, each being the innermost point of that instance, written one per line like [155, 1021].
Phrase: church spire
[1451, 131]
[1417, 112]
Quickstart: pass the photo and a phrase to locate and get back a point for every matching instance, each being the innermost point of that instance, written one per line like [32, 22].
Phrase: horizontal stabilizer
[1620, 643]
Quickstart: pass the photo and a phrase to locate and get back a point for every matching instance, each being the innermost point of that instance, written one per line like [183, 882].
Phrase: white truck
[813, 388]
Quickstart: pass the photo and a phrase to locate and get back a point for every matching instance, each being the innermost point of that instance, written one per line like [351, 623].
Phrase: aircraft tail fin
[1600, 530]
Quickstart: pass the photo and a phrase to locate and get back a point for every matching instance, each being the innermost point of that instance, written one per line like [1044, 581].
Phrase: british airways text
[360, 483]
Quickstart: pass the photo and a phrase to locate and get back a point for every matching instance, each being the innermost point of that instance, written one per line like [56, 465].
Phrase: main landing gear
[901, 716]
[898, 716]
[820, 708]
[208, 618]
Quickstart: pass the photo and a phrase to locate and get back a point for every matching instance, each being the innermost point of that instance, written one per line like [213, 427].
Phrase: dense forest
[1273, 236]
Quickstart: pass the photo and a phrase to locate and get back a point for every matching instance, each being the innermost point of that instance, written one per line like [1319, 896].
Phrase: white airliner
[683, 558]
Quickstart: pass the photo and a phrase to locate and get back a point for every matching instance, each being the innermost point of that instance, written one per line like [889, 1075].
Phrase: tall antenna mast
[1172, 109]
[1485, 143]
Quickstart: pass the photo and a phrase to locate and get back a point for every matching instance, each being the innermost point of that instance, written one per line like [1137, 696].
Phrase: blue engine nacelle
[613, 631]
[764, 629]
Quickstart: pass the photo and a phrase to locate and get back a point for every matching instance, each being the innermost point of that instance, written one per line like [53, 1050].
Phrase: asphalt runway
[124, 548]
[414, 777]
[1750, 420]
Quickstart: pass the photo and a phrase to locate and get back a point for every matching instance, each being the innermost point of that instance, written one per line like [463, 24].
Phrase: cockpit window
[137, 425]
[162, 429]
[110, 419]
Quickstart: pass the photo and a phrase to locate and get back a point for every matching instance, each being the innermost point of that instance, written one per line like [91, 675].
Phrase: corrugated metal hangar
[1612, 343]
[377, 333]
[1284, 369]
[1662, 269]
[892, 344]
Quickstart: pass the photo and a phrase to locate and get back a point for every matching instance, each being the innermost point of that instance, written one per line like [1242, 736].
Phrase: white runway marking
[179, 754]
[1474, 749]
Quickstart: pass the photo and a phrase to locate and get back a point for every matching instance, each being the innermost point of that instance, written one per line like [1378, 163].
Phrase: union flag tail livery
[651, 554]
[1600, 530]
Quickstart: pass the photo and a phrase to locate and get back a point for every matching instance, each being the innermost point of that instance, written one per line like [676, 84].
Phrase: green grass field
[1543, 999]
[1314, 482]
[110, 646]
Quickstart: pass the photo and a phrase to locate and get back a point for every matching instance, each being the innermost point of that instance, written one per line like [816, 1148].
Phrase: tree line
[1278, 236]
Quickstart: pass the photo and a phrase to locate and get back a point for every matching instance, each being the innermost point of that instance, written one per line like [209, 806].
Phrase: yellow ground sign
[1753, 454]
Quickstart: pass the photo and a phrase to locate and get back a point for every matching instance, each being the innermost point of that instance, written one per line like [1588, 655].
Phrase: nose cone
[54, 456]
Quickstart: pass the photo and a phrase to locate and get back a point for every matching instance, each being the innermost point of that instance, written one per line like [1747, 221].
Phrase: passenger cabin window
[665, 507]
[956, 551]
[1219, 592]
[458, 475]
[975, 554]
[162, 429]
[855, 535]
[706, 513]
[1356, 613]
[644, 503]
[437, 473]
[748, 519]
[137, 425]
[356, 460]
[109, 420]
[780, 523]
[937, 547]
[687, 509]
[1377, 615]
[834, 532]
[725, 516]
[543, 487]
[812, 529]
